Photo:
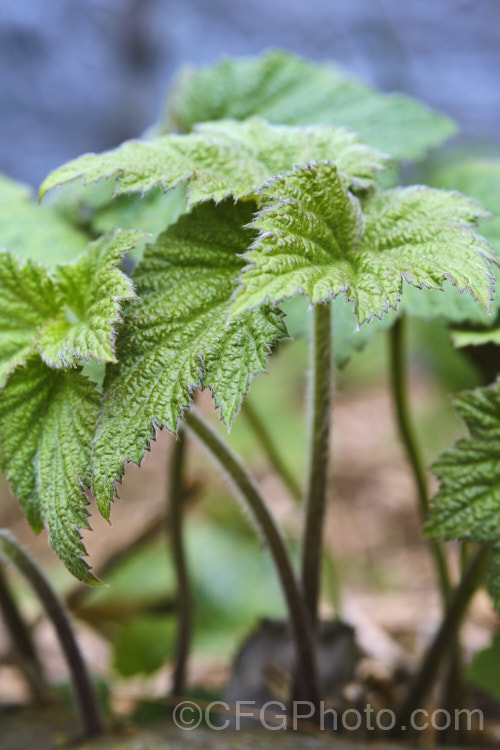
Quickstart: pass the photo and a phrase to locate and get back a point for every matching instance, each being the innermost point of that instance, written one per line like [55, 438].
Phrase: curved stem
[269, 446]
[399, 383]
[11, 551]
[445, 638]
[306, 663]
[322, 376]
[184, 598]
[22, 641]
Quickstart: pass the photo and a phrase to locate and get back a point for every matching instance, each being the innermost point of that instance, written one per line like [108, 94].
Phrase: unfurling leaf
[68, 314]
[177, 337]
[222, 159]
[47, 422]
[92, 289]
[467, 505]
[479, 178]
[28, 297]
[315, 239]
[287, 89]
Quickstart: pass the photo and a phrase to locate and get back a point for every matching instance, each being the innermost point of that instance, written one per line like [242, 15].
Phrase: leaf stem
[269, 447]
[306, 682]
[399, 382]
[276, 460]
[22, 641]
[184, 598]
[445, 638]
[11, 551]
[321, 386]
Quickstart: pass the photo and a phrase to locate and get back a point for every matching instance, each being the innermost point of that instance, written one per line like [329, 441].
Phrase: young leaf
[28, 296]
[314, 239]
[34, 232]
[92, 289]
[481, 179]
[222, 159]
[467, 505]
[288, 89]
[67, 315]
[47, 422]
[177, 336]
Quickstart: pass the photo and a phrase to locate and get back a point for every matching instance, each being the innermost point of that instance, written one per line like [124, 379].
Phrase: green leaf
[33, 231]
[177, 337]
[479, 178]
[144, 644]
[67, 315]
[221, 159]
[315, 240]
[47, 422]
[287, 89]
[151, 213]
[467, 505]
[483, 669]
[92, 289]
[28, 296]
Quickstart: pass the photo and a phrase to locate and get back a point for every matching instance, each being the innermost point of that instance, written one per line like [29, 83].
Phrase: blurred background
[83, 76]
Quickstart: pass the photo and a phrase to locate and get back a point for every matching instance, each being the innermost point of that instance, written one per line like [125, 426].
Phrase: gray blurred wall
[80, 75]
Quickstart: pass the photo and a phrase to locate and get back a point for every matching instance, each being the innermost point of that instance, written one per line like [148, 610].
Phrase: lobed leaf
[479, 178]
[467, 505]
[221, 159]
[47, 422]
[314, 239]
[287, 89]
[28, 297]
[67, 315]
[92, 289]
[177, 337]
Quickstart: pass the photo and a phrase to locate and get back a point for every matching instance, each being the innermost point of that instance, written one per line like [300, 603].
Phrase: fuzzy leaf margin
[222, 159]
[47, 423]
[315, 239]
[177, 337]
[67, 315]
[467, 505]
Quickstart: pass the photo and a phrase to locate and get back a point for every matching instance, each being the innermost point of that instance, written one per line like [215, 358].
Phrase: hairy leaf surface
[288, 89]
[35, 232]
[314, 239]
[28, 297]
[481, 179]
[47, 422]
[222, 159]
[92, 289]
[177, 336]
[467, 505]
[67, 315]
